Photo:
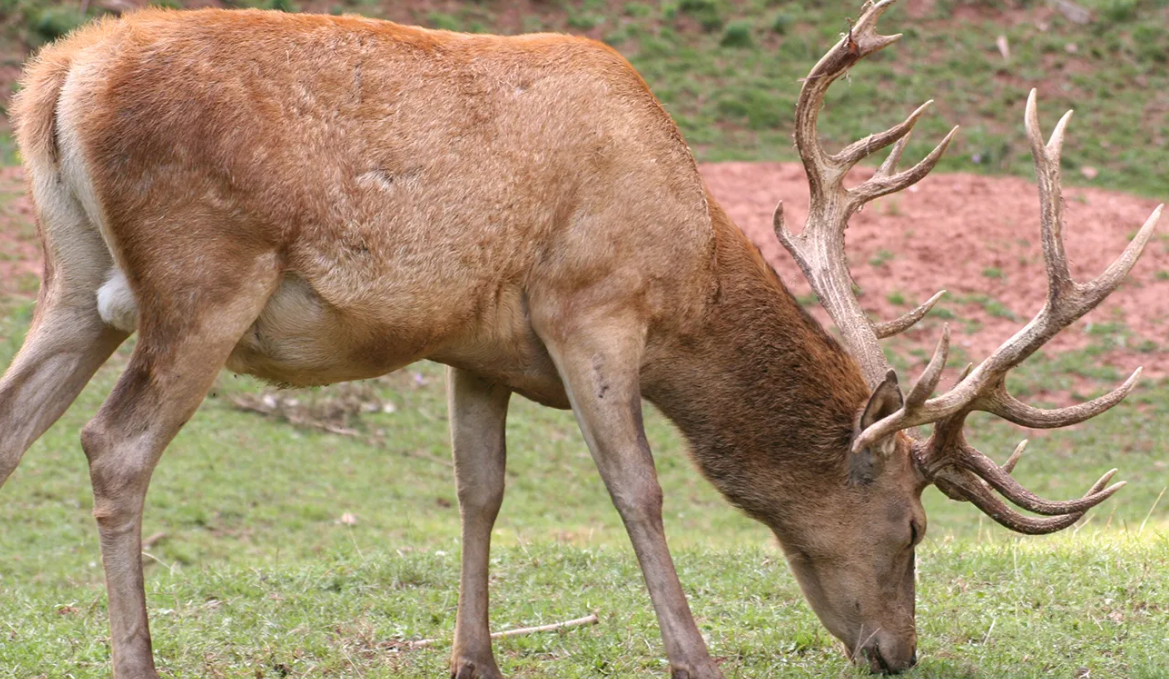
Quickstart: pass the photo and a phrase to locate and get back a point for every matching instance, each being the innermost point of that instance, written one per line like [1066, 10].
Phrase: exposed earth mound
[978, 238]
[975, 236]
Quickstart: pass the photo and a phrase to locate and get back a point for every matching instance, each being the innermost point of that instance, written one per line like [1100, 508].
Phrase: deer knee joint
[119, 471]
[95, 440]
[481, 498]
[641, 502]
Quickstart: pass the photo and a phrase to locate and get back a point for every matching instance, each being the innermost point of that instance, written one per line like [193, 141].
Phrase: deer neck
[764, 395]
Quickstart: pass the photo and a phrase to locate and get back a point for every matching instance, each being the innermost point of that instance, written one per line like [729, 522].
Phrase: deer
[314, 199]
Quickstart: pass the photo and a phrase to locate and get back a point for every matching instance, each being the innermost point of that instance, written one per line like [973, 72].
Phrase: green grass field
[257, 576]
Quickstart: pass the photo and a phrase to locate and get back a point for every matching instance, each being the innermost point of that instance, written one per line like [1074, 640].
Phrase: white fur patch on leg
[115, 302]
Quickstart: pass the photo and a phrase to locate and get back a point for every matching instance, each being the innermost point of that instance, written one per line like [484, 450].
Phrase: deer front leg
[478, 412]
[599, 361]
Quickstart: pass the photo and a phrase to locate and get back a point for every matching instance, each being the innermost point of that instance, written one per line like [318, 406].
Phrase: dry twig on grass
[522, 631]
[331, 411]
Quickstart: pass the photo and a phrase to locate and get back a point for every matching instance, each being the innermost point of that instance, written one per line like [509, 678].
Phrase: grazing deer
[313, 199]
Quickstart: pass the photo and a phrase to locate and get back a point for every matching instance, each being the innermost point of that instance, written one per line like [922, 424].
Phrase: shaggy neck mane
[765, 396]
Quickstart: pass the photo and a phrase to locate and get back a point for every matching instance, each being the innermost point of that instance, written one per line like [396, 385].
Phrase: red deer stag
[313, 199]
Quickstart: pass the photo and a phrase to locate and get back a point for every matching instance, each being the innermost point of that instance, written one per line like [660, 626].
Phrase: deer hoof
[707, 671]
[468, 669]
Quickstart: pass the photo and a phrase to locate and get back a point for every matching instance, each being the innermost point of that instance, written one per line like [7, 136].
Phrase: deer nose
[879, 663]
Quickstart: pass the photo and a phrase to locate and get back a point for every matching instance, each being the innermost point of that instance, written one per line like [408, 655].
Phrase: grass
[728, 71]
[257, 575]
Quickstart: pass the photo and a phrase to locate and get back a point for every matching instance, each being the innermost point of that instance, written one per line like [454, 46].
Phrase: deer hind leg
[478, 412]
[598, 358]
[182, 345]
[68, 341]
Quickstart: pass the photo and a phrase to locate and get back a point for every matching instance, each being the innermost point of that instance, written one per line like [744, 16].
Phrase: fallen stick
[149, 542]
[247, 406]
[522, 631]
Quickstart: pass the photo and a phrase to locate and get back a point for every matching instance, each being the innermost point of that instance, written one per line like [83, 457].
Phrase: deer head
[860, 580]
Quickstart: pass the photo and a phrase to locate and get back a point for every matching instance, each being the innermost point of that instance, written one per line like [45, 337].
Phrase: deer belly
[300, 339]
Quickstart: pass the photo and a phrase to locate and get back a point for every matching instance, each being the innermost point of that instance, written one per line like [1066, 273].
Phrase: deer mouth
[879, 665]
[877, 662]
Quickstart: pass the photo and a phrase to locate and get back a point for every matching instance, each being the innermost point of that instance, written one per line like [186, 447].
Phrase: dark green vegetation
[728, 70]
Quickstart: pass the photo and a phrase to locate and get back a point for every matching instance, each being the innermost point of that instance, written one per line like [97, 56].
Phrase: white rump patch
[116, 304]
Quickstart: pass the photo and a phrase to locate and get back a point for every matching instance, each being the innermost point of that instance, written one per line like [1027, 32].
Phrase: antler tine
[881, 185]
[1103, 285]
[861, 149]
[964, 485]
[925, 385]
[1009, 465]
[1013, 410]
[904, 322]
[1046, 160]
[1004, 483]
[889, 166]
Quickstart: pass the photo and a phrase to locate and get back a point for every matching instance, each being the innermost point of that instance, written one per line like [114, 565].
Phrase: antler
[819, 249]
[945, 457]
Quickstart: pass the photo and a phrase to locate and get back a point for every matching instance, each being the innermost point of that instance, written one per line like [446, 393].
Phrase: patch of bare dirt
[978, 238]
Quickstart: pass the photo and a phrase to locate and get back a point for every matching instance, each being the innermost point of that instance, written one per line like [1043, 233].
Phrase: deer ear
[866, 464]
[885, 401]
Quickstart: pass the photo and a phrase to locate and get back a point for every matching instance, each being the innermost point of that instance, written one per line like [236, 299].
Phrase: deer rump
[418, 186]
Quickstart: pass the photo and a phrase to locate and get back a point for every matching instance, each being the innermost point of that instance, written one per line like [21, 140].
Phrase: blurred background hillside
[725, 69]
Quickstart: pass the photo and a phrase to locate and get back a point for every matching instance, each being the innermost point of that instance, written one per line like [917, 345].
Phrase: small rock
[347, 519]
[1071, 48]
[1073, 12]
[1089, 172]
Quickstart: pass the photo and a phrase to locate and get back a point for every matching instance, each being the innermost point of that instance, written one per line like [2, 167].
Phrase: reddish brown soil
[977, 237]
[970, 235]
[19, 254]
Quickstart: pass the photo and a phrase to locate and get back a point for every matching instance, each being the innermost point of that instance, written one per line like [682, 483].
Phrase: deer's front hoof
[707, 670]
[464, 668]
